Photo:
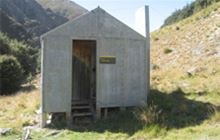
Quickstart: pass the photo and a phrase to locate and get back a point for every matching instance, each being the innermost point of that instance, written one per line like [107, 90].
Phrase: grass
[169, 116]
[18, 110]
[190, 104]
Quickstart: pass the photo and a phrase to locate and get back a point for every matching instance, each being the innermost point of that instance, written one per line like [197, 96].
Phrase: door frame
[94, 52]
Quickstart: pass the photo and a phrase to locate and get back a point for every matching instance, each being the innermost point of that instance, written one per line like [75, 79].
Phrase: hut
[93, 62]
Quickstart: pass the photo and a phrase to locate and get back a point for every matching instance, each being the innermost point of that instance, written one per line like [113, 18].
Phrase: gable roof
[95, 23]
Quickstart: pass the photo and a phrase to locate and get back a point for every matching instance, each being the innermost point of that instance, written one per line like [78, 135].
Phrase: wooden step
[79, 102]
[84, 114]
[81, 107]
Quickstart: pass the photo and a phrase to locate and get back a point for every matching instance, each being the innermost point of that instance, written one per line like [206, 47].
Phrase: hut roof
[96, 23]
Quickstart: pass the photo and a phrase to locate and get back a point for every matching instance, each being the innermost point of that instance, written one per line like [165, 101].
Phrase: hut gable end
[96, 23]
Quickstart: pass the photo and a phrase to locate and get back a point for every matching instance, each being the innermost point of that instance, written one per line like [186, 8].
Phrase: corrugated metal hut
[94, 60]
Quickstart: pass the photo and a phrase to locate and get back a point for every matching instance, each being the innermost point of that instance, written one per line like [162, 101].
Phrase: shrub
[156, 39]
[167, 50]
[177, 28]
[26, 55]
[10, 74]
[5, 48]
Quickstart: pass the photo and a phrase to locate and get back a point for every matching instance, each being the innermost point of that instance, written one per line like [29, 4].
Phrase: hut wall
[57, 73]
[122, 83]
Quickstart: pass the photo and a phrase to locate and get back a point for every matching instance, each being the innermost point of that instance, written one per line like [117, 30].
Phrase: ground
[178, 116]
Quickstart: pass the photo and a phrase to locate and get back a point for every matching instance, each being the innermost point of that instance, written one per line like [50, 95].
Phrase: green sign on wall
[107, 59]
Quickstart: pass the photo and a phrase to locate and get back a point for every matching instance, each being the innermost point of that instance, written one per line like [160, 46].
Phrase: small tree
[26, 55]
[10, 74]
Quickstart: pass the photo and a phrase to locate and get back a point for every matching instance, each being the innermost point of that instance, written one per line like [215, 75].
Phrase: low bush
[19, 63]
[26, 55]
[11, 74]
[167, 50]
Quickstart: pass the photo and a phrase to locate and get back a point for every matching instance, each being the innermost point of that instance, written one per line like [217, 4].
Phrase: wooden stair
[82, 114]
[82, 110]
[80, 107]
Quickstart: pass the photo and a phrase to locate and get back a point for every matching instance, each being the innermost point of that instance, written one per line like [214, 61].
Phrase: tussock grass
[167, 116]
[149, 114]
[18, 110]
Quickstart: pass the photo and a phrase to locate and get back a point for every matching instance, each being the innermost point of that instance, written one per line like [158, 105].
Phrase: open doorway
[84, 72]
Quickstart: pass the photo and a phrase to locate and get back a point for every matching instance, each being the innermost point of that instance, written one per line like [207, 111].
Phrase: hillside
[188, 10]
[26, 20]
[186, 55]
[9, 26]
[64, 8]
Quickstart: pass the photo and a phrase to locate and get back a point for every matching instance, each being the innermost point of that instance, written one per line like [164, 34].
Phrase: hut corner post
[43, 117]
[147, 28]
[69, 119]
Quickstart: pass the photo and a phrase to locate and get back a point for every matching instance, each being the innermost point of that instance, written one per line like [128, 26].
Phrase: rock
[212, 53]
[184, 84]
[38, 111]
[5, 131]
[196, 51]
[191, 71]
[48, 122]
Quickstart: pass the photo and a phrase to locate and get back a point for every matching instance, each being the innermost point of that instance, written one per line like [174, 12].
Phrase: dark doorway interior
[84, 71]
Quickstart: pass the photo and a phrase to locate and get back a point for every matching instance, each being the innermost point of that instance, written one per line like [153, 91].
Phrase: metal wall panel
[57, 74]
[122, 83]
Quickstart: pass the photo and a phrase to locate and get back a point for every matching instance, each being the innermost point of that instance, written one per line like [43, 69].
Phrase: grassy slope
[195, 45]
[186, 101]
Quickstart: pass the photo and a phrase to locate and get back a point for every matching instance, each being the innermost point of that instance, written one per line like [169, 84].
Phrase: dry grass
[216, 117]
[149, 114]
[190, 45]
[19, 110]
[194, 46]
